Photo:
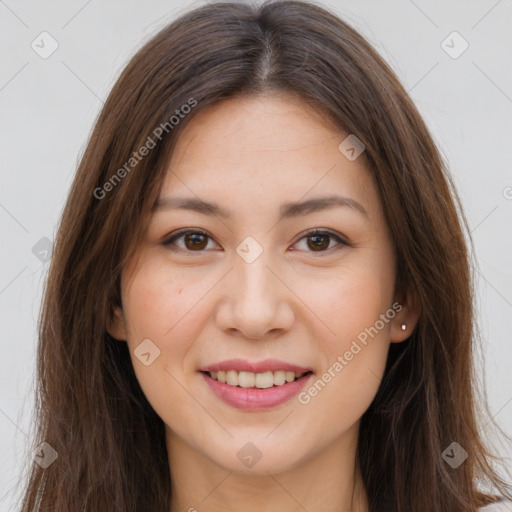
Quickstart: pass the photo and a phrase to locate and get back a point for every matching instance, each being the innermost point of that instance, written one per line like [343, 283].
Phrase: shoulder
[500, 506]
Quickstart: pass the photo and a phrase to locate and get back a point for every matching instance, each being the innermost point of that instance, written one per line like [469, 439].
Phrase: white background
[48, 107]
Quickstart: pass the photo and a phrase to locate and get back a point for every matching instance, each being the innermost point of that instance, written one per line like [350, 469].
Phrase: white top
[500, 506]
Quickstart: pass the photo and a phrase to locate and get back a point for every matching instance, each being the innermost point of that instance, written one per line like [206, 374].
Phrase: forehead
[272, 123]
[261, 149]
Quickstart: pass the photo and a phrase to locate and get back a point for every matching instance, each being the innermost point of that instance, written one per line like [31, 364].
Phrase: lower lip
[254, 398]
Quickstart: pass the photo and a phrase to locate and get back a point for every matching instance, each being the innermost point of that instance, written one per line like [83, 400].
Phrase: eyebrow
[287, 210]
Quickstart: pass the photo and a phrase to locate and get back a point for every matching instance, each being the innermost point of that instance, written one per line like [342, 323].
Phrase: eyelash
[169, 243]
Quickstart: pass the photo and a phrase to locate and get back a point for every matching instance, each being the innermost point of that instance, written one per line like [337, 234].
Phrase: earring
[404, 327]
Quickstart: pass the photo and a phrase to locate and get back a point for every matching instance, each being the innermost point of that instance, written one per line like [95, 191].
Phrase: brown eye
[319, 241]
[193, 241]
[197, 241]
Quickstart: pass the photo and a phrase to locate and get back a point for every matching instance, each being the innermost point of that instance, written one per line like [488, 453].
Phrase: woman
[260, 296]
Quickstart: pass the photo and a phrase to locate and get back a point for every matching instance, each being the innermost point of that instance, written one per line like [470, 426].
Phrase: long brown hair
[89, 406]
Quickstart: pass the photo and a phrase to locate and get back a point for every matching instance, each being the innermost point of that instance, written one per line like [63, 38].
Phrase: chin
[258, 457]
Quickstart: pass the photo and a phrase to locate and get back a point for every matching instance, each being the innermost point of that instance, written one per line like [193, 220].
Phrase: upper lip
[242, 365]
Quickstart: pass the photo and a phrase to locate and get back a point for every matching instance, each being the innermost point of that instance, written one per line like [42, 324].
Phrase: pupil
[195, 239]
[321, 246]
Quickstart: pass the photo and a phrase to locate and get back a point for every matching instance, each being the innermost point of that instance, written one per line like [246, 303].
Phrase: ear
[116, 325]
[408, 316]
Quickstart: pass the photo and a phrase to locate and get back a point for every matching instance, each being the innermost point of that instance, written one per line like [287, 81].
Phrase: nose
[256, 301]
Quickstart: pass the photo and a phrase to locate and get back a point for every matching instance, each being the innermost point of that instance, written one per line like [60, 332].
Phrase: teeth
[246, 379]
[259, 380]
[264, 380]
[289, 376]
[280, 377]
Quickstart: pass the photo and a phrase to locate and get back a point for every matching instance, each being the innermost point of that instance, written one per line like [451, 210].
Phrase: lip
[255, 399]
[242, 365]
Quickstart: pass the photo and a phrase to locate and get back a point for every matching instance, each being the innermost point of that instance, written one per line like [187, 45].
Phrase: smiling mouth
[262, 380]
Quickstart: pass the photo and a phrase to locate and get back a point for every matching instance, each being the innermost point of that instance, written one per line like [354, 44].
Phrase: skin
[294, 303]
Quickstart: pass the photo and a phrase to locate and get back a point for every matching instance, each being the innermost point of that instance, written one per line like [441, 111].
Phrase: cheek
[351, 299]
[160, 306]
[159, 303]
[355, 351]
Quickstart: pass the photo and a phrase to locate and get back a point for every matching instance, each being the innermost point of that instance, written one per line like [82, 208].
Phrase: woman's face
[246, 288]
